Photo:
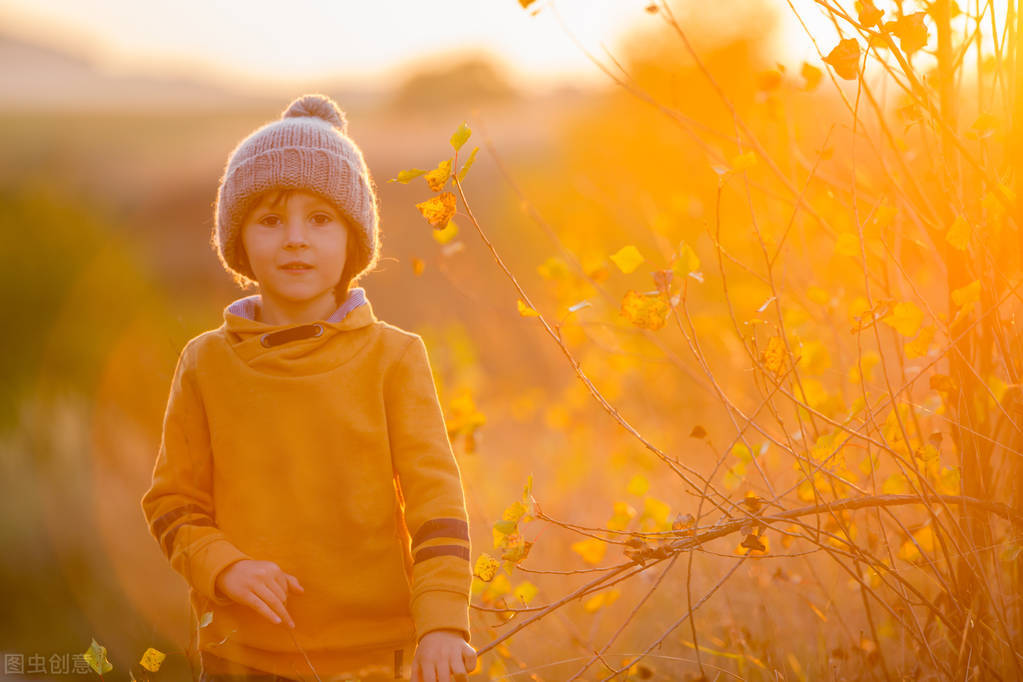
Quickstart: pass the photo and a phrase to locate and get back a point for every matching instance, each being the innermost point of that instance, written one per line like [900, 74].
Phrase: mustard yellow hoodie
[321, 447]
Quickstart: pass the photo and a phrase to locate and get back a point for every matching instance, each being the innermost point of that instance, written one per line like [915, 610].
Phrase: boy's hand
[442, 654]
[261, 585]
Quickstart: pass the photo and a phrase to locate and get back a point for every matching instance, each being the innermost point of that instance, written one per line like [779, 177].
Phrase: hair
[280, 195]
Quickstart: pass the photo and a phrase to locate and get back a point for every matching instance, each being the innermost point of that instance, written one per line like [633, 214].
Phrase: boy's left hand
[443, 656]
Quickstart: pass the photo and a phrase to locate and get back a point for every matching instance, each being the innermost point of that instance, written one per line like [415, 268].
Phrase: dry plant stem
[918, 94]
[570, 257]
[886, 402]
[960, 534]
[592, 586]
[747, 132]
[818, 467]
[686, 124]
[598, 655]
[681, 620]
[683, 471]
[884, 365]
[885, 128]
[733, 526]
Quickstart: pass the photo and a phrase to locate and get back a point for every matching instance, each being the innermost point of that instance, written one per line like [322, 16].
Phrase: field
[727, 353]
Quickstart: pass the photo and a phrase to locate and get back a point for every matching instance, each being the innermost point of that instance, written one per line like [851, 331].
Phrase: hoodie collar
[248, 306]
[297, 348]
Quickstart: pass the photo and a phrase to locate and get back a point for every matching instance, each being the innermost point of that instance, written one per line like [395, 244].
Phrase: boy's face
[302, 228]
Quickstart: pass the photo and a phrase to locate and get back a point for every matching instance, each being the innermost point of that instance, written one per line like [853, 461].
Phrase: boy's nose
[295, 232]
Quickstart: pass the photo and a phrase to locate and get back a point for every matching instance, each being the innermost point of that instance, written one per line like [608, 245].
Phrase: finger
[275, 604]
[278, 589]
[429, 671]
[293, 581]
[469, 658]
[457, 670]
[254, 601]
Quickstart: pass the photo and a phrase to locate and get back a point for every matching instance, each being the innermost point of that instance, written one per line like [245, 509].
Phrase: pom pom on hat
[318, 106]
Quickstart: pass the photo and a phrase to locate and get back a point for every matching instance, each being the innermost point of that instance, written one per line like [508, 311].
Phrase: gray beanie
[308, 148]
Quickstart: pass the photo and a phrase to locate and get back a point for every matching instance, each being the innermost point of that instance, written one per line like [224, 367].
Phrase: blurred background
[116, 119]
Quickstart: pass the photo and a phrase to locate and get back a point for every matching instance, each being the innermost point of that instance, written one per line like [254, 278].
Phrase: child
[305, 486]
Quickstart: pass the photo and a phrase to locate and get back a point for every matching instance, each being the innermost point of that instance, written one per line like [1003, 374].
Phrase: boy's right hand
[261, 585]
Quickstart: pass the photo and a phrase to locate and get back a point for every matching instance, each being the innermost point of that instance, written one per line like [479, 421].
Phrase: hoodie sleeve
[178, 506]
[431, 485]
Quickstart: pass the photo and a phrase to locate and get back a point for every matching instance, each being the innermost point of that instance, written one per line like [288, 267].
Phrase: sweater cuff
[441, 610]
[208, 563]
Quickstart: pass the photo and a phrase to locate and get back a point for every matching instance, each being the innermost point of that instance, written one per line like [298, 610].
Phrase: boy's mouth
[296, 266]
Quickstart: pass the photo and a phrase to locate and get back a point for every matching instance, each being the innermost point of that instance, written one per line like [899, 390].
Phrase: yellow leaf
[525, 591]
[967, 294]
[812, 75]
[814, 356]
[896, 484]
[644, 310]
[438, 210]
[993, 200]
[948, 481]
[845, 59]
[468, 164]
[622, 515]
[462, 414]
[656, 509]
[525, 310]
[601, 600]
[591, 550]
[514, 511]
[743, 161]
[848, 244]
[867, 363]
[805, 491]
[773, 356]
[499, 586]
[867, 13]
[627, 258]
[460, 136]
[405, 176]
[686, 262]
[905, 318]
[958, 234]
[152, 659]
[638, 485]
[96, 657]
[910, 30]
[984, 126]
[924, 538]
[438, 177]
[885, 215]
[734, 476]
[813, 392]
[754, 543]
[553, 268]
[918, 347]
[445, 234]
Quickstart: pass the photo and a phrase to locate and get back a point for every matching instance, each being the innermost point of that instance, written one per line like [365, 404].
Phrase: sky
[361, 42]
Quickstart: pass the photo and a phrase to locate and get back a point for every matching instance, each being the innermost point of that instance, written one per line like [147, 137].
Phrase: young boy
[305, 486]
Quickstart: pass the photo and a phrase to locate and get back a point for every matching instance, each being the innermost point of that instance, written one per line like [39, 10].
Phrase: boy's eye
[270, 220]
[322, 218]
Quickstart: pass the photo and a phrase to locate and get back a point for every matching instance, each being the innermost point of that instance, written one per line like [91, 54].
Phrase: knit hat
[308, 148]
